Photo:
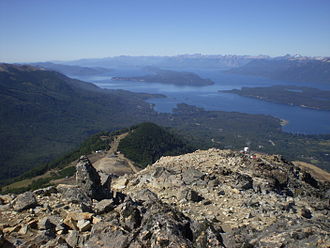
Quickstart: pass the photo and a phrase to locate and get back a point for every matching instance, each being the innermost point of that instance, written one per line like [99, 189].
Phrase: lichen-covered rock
[25, 201]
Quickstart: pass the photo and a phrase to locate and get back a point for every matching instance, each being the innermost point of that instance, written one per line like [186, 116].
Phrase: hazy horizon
[175, 55]
[44, 30]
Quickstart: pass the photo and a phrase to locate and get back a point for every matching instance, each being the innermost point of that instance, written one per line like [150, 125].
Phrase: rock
[86, 208]
[25, 201]
[327, 194]
[190, 195]
[221, 192]
[43, 237]
[73, 217]
[145, 195]
[73, 238]
[45, 224]
[106, 180]
[58, 242]
[12, 229]
[244, 182]
[163, 178]
[204, 235]
[191, 175]
[5, 199]
[46, 191]
[309, 179]
[119, 184]
[130, 215]
[24, 229]
[2, 238]
[76, 195]
[70, 223]
[61, 228]
[105, 235]
[104, 206]
[213, 183]
[306, 213]
[88, 180]
[33, 224]
[84, 225]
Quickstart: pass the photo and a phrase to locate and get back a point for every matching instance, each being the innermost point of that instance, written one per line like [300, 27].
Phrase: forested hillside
[45, 114]
[147, 142]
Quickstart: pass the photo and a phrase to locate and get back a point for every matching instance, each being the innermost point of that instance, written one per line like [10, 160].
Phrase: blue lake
[301, 120]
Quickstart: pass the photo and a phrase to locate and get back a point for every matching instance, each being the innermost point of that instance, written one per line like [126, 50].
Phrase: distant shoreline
[304, 97]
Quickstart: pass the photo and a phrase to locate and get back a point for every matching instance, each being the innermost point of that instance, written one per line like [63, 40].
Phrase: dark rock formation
[88, 180]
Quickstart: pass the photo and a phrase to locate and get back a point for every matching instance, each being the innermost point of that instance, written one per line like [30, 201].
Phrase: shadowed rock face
[88, 180]
[211, 198]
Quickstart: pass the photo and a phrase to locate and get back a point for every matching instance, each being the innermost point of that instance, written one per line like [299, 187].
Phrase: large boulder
[25, 201]
[88, 180]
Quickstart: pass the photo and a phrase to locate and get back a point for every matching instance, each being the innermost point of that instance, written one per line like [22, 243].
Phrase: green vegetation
[40, 182]
[262, 133]
[147, 142]
[100, 141]
[291, 95]
[45, 114]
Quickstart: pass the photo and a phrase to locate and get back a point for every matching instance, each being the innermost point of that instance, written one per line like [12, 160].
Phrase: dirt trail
[113, 162]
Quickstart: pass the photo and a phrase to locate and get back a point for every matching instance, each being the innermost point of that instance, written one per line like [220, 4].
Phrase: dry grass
[315, 171]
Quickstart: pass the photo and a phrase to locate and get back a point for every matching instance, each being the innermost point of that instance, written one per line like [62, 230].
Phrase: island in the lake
[292, 95]
[169, 77]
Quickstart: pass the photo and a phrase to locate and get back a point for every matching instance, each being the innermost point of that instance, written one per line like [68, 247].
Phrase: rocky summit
[213, 198]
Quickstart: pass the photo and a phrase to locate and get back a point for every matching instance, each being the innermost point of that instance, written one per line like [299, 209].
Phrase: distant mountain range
[288, 68]
[197, 61]
[294, 68]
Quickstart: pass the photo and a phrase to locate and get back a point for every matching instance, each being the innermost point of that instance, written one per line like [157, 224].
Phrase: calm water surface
[301, 120]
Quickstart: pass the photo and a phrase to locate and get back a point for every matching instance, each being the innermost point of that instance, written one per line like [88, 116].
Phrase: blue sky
[40, 30]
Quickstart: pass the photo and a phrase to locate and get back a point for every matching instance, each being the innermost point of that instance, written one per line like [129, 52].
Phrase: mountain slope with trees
[45, 114]
[147, 142]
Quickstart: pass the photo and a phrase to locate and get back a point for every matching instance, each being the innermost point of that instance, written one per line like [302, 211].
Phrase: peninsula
[291, 95]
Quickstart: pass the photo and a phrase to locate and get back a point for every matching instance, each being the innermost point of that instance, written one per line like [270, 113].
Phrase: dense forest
[147, 142]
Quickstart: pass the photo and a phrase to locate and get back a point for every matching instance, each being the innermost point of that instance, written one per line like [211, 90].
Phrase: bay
[300, 120]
